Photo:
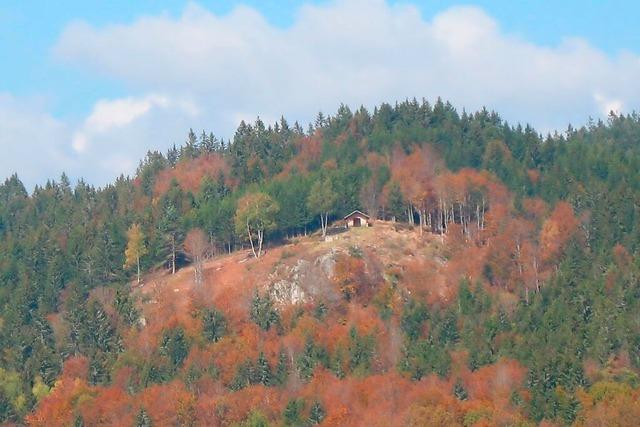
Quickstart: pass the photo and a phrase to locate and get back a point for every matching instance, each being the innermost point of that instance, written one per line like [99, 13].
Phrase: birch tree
[195, 246]
[321, 201]
[255, 215]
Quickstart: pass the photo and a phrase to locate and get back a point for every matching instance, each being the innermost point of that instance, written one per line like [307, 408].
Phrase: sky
[89, 87]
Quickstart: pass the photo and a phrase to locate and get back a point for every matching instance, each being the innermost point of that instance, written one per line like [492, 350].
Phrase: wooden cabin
[357, 219]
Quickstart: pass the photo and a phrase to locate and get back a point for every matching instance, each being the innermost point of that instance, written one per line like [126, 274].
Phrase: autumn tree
[195, 246]
[557, 230]
[322, 200]
[255, 215]
[416, 174]
[136, 248]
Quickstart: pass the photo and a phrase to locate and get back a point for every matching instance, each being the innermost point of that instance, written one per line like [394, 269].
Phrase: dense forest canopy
[540, 238]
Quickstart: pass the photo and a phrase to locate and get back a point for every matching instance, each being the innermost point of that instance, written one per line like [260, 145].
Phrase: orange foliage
[557, 230]
[232, 350]
[57, 408]
[351, 278]
[110, 406]
[190, 173]
[609, 403]
[416, 174]
[533, 175]
[165, 403]
[496, 382]
[308, 151]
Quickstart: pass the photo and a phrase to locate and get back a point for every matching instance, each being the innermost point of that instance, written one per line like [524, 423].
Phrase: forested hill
[505, 293]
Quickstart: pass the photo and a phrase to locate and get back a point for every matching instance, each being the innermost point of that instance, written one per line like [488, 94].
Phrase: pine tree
[459, 391]
[264, 371]
[190, 149]
[316, 414]
[395, 202]
[172, 235]
[125, 307]
[292, 413]
[143, 419]
[263, 312]
[174, 346]
[282, 369]
[214, 325]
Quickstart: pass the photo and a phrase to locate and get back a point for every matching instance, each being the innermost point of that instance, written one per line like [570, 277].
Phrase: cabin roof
[356, 212]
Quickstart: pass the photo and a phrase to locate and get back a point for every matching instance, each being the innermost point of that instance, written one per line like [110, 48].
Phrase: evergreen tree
[143, 419]
[395, 202]
[172, 235]
[214, 325]
[316, 414]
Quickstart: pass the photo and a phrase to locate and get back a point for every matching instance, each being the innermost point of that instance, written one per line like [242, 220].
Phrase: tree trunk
[421, 215]
[197, 268]
[253, 249]
[260, 238]
[323, 223]
[138, 264]
[173, 255]
[535, 270]
[441, 222]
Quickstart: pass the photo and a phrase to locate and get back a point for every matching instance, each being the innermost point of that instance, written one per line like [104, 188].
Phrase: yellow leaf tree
[135, 248]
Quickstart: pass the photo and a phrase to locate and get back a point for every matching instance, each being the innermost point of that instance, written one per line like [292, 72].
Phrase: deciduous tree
[195, 245]
[136, 248]
[322, 200]
[255, 215]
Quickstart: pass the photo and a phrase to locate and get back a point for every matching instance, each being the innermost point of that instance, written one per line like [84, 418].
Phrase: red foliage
[416, 174]
[557, 230]
[351, 278]
[308, 149]
[110, 406]
[190, 173]
[57, 409]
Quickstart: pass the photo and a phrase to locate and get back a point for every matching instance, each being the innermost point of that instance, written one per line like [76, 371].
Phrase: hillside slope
[373, 326]
[327, 330]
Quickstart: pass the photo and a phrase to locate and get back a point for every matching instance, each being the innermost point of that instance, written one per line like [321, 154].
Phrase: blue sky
[74, 68]
[28, 30]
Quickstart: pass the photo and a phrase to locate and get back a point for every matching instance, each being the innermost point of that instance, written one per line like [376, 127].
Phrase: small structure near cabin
[357, 219]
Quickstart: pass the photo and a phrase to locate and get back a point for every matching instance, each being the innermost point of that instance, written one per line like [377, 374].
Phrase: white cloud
[203, 70]
[608, 105]
[118, 132]
[358, 52]
[112, 139]
[32, 142]
[109, 116]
